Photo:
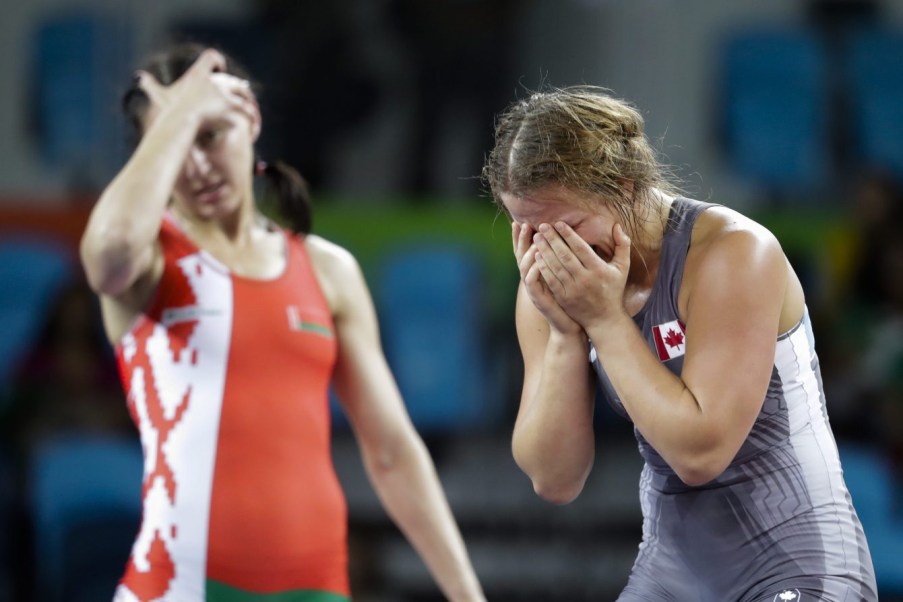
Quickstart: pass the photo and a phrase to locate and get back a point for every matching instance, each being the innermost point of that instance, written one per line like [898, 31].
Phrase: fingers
[568, 245]
[532, 276]
[209, 61]
[537, 287]
[232, 83]
[526, 253]
[205, 89]
[148, 84]
[621, 256]
[544, 301]
[553, 265]
[565, 255]
[238, 93]
[522, 239]
[526, 261]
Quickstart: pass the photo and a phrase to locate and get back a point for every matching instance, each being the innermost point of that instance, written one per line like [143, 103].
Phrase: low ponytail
[292, 197]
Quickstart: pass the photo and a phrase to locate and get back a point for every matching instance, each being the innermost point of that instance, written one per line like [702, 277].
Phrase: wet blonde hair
[581, 138]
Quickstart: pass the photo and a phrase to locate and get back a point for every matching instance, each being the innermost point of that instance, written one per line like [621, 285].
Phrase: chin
[222, 208]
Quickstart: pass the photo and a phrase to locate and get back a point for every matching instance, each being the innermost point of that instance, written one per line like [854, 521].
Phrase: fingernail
[544, 227]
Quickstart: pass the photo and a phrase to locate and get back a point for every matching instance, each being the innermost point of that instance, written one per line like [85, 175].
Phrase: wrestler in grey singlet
[778, 524]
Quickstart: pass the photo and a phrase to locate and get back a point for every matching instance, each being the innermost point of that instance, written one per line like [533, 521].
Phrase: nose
[197, 165]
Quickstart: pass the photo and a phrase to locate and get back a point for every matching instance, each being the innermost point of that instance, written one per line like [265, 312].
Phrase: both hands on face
[205, 90]
[570, 285]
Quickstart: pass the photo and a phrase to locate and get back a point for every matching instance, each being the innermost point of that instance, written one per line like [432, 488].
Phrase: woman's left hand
[586, 286]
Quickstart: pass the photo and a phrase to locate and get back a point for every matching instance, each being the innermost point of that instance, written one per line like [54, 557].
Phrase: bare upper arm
[119, 311]
[737, 290]
[362, 379]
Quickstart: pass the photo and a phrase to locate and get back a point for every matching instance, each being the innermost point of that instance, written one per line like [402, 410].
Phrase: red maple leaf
[674, 339]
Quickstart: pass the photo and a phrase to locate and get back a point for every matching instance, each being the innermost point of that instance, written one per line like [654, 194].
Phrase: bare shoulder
[727, 246]
[337, 270]
[721, 232]
[328, 255]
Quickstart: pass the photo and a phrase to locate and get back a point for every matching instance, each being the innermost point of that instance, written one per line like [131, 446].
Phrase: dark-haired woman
[229, 330]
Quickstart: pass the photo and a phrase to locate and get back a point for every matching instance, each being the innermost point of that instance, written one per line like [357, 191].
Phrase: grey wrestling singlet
[778, 524]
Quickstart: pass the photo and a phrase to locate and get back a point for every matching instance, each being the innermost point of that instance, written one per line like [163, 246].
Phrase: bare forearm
[659, 403]
[409, 488]
[553, 439]
[126, 219]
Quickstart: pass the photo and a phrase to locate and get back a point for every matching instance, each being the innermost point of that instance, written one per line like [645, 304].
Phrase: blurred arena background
[791, 111]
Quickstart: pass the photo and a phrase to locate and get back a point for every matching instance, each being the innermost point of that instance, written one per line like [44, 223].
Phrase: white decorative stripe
[814, 446]
[189, 450]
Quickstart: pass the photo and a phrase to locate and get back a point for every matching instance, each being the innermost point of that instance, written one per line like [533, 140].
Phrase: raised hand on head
[205, 90]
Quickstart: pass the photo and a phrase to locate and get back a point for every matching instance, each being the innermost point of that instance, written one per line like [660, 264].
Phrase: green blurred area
[372, 232]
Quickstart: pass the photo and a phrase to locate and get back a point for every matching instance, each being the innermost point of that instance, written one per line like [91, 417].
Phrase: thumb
[148, 84]
[210, 61]
[622, 248]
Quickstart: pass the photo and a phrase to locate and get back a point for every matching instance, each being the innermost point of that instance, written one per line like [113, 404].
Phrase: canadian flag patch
[670, 340]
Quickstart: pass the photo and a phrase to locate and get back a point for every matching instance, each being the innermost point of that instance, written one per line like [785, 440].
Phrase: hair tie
[260, 168]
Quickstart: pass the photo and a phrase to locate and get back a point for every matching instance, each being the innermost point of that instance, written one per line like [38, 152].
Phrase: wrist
[561, 339]
[611, 330]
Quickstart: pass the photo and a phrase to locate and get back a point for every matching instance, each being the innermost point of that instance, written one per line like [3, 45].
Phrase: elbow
[393, 454]
[107, 281]
[700, 468]
[559, 494]
[107, 265]
[696, 478]
[557, 485]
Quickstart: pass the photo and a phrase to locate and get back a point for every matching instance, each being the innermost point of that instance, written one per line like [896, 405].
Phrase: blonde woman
[691, 320]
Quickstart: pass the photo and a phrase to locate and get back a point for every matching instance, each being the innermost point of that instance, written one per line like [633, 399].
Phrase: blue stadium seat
[775, 109]
[33, 270]
[429, 297]
[85, 503]
[81, 64]
[875, 494]
[875, 76]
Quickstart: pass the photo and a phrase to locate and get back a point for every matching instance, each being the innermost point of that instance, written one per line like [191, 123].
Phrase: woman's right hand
[204, 90]
[537, 290]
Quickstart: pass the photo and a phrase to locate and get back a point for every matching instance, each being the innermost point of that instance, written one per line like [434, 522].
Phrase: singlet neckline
[667, 250]
[640, 315]
[222, 267]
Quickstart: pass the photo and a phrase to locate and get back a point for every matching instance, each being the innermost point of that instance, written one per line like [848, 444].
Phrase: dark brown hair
[293, 204]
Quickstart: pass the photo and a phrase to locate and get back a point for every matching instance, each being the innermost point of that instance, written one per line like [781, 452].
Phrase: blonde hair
[581, 138]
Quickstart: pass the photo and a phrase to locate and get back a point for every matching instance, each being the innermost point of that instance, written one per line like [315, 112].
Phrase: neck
[236, 227]
[647, 241]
